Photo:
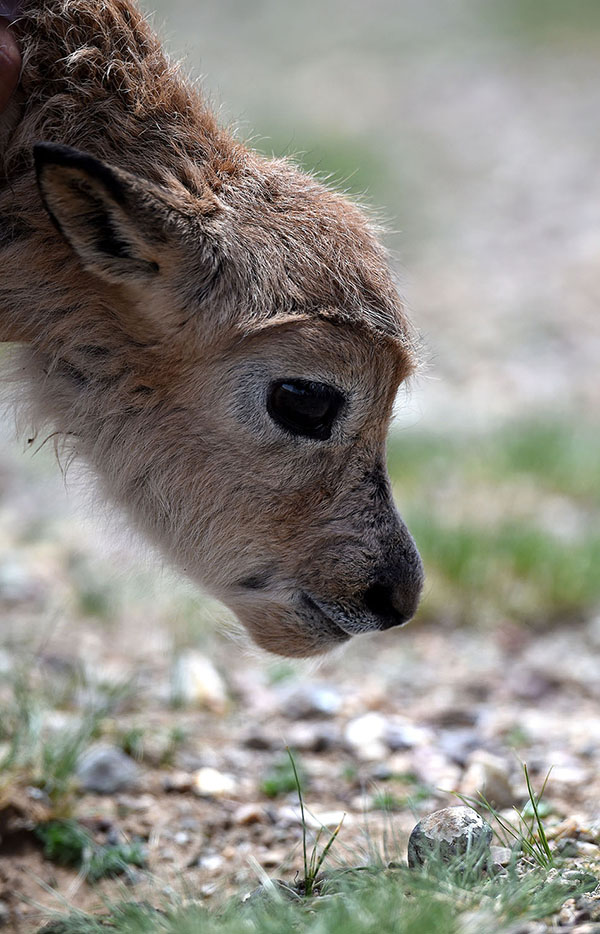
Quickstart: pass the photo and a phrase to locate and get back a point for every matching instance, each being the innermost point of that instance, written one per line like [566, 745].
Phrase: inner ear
[114, 221]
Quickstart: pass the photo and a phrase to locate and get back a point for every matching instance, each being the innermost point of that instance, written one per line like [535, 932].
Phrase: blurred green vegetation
[544, 21]
[67, 843]
[350, 164]
[281, 777]
[506, 522]
[444, 897]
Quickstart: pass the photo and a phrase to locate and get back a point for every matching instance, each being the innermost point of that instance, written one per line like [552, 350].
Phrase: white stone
[365, 735]
[488, 775]
[211, 863]
[403, 734]
[211, 783]
[196, 681]
[315, 819]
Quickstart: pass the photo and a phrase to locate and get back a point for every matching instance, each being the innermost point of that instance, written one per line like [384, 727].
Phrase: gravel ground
[383, 733]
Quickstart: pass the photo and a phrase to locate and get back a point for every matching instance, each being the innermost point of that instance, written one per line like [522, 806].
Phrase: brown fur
[225, 271]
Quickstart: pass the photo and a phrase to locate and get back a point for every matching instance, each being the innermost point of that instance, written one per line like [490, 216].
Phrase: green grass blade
[301, 801]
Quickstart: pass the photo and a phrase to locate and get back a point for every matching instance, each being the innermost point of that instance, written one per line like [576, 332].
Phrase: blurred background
[472, 127]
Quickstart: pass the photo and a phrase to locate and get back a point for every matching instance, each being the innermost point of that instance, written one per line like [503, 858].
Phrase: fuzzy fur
[152, 358]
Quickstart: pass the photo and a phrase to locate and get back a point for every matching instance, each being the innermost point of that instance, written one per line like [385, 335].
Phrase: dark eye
[304, 408]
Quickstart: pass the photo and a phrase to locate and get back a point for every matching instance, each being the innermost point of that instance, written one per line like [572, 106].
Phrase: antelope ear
[114, 221]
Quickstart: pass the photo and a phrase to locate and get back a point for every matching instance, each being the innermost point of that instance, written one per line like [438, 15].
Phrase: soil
[446, 711]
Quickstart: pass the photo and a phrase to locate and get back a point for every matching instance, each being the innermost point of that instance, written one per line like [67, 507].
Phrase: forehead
[301, 246]
[324, 349]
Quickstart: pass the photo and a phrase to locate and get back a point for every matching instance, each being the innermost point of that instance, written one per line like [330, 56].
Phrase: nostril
[379, 600]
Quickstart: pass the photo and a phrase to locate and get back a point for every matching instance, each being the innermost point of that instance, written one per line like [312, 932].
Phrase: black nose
[394, 595]
[383, 602]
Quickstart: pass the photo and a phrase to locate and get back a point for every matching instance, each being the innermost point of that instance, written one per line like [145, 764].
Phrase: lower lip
[336, 631]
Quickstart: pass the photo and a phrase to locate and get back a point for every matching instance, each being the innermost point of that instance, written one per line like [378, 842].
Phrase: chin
[282, 631]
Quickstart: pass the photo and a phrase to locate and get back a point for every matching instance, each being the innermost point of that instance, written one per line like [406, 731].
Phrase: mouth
[322, 615]
[351, 621]
[296, 624]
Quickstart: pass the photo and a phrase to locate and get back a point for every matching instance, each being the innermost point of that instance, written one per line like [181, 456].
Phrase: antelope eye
[304, 408]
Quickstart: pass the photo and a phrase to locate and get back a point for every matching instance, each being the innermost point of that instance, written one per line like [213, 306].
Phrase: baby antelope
[216, 333]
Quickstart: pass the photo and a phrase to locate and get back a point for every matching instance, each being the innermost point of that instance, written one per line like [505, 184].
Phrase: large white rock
[448, 834]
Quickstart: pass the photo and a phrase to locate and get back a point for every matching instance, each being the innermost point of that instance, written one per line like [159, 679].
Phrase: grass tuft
[367, 901]
[67, 843]
[41, 754]
[528, 834]
[314, 862]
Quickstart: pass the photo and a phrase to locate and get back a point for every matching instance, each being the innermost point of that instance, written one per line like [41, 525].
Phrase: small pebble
[258, 739]
[589, 906]
[196, 681]
[366, 736]
[488, 775]
[567, 914]
[178, 782]
[453, 717]
[136, 803]
[308, 701]
[502, 855]
[402, 734]
[314, 819]
[274, 888]
[17, 583]
[571, 848]
[571, 775]
[457, 744]
[37, 794]
[249, 814]
[312, 737]
[211, 783]
[106, 770]
[447, 834]
[433, 768]
[212, 863]
[209, 889]
[271, 858]
[382, 772]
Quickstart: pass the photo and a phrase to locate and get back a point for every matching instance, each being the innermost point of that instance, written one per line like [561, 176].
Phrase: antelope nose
[382, 601]
[394, 597]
